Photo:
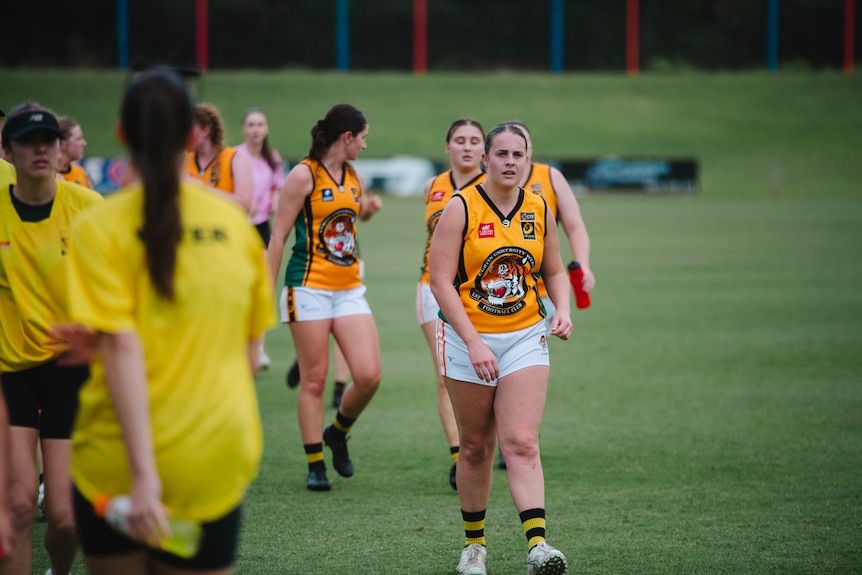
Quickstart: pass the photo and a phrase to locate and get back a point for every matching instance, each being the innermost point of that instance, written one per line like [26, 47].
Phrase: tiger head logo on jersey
[501, 284]
[504, 280]
[337, 237]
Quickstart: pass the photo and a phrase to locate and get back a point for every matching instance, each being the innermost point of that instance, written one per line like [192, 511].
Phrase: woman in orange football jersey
[464, 141]
[490, 244]
[323, 292]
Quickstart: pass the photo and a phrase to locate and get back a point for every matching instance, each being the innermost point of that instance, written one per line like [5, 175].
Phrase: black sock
[314, 455]
[342, 423]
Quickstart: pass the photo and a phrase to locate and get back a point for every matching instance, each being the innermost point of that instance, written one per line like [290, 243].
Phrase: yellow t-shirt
[32, 275]
[203, 406]
[7, 173]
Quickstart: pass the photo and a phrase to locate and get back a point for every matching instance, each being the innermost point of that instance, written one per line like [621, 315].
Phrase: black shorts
[98, 539]
[44, 397]
[265, 232]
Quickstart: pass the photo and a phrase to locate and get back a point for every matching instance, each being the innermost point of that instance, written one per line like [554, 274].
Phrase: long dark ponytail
[339, 119]
[157, 115]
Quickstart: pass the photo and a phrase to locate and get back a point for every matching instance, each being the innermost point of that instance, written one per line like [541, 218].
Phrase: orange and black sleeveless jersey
[325, 255]
[441, 191]
[217, 174]
[539, 182]
[501, 255]
[76, 174]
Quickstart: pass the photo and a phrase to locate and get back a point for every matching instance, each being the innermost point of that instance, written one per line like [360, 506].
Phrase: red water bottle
[576, 277]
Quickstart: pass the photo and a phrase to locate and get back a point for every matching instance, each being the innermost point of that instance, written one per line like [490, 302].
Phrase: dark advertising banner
[649, 175]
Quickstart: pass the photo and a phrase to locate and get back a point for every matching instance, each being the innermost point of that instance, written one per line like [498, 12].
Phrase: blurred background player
[217, 165]
[170, 416]
[72, 145]
[268, 175]
[6, 536]
[464, 145]
[36, 214]
[3, 166]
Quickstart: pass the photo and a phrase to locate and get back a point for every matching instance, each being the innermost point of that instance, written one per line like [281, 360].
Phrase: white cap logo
[35, 117]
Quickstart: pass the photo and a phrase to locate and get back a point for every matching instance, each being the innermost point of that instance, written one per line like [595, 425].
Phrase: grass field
[706, 416]
[755, 135]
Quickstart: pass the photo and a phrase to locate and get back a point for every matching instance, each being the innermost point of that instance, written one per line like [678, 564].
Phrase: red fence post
[420, 36]
[632, 29]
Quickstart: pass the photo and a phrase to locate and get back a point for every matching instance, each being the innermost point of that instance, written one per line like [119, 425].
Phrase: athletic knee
[22, 510]
[475, 449]
[313, 387]
[61, 522]
[367, 380]
[313, 381]
[524, 446]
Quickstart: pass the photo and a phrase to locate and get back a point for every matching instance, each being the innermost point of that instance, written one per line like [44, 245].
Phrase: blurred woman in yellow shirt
[36, 214]
[169, 415]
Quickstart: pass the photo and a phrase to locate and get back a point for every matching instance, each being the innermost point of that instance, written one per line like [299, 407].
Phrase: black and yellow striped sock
[313, 454]
[454, 451]
[342, 423]
[474, 527]
[533, 521]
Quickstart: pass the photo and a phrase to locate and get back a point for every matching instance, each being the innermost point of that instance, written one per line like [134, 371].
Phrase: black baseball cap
[20, 124]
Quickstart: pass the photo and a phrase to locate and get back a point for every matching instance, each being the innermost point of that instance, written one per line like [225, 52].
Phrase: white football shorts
[426, 305]
[306, 304]
[514, 350]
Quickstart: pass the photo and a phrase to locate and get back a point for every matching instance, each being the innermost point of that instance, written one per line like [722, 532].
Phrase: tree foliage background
[479, 34]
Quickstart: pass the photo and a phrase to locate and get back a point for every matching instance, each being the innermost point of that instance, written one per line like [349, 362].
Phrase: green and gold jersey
[326, 254]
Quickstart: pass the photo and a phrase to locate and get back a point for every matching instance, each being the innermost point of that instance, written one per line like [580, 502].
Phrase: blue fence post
[342, 35]
[122, 34]
[557, 36]
[772, 36]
